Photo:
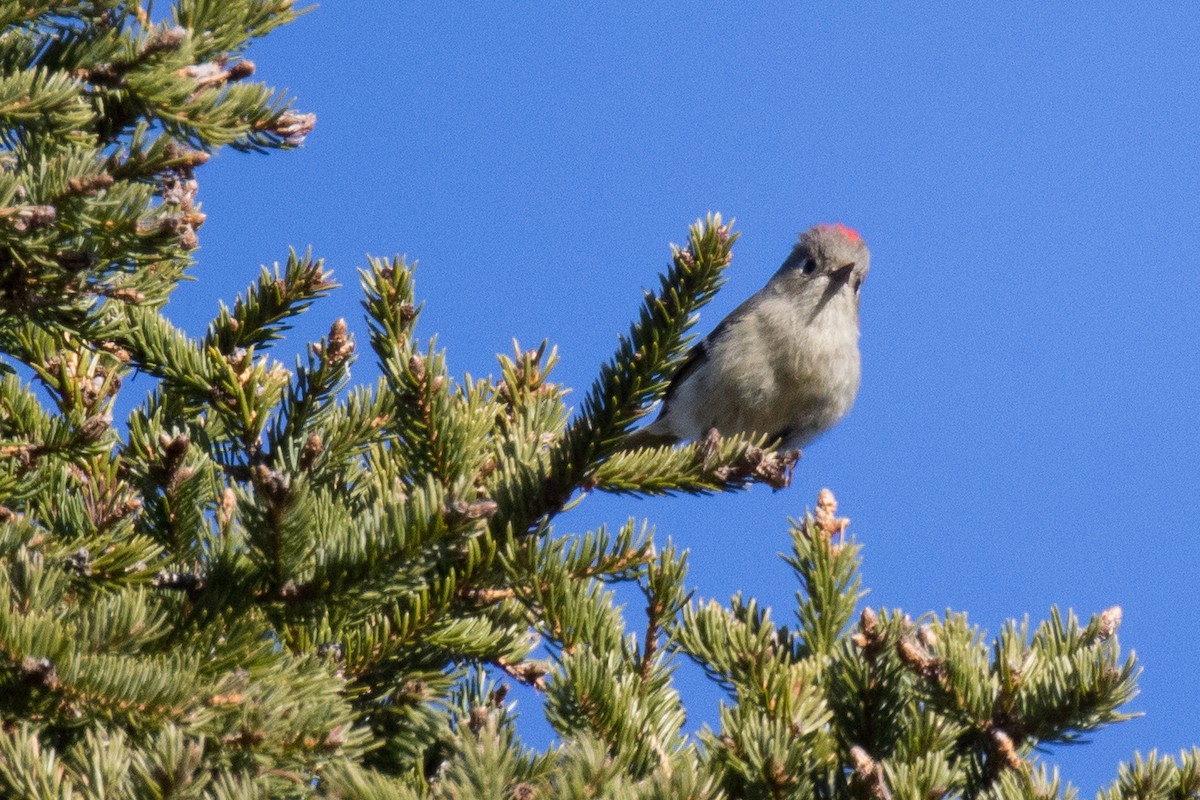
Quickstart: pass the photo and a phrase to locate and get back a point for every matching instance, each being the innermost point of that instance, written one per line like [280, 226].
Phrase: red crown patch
[846, 232]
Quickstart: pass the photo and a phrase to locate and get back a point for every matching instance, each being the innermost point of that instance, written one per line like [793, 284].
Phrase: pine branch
[638, 371]
[699, 468]
[828, 575]
[308, 401]
[1157, 775]
[261, 316]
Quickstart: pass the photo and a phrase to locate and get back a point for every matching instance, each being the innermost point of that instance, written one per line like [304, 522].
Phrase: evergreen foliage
[265, 583]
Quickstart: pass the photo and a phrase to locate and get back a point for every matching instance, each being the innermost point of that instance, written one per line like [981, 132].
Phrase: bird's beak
[843, 273]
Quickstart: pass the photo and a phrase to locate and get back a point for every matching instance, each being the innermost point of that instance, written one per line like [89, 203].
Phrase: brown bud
[188, 158]
[90, 185]
[241, 70]
[862, 760]
[39, 672]
[117, 352]
[927, 637]
[919, 660]
[227, 507]
[174, 447]
[94, 427]
[274, 485]
[416, 365]
[339, 344]
[1006, 749]
[163, 41]
[291, 126]
[1110, 621]
[686, 257]
[869, 773]
[826, 502]
[28, 218]
[335, 738]
[128, 295]
[530, 673]
[869, 638]
[911, 653]
[480, 509]
[477, 719]
[486, 596]
[188, 239]
[825, 515]
[487, 467]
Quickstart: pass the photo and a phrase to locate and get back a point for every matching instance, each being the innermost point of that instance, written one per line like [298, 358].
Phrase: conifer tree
[265, 582]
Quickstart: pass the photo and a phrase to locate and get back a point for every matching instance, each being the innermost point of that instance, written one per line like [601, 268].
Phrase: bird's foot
[777, 471]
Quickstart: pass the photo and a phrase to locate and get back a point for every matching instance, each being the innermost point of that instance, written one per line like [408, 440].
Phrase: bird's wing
[700, 353]
[694, 360]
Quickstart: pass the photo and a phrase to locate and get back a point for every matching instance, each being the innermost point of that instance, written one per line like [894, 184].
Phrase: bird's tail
[649, 437]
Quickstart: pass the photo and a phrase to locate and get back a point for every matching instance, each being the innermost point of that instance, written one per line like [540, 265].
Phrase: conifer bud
[869, 773]
[927, 637]
[869, 621]
[39, 672]
[825, 515]
[339, 346]
[274, 485]
[416, 365]
[869, 638]
[181, 157]
[1006, 749]
[1110, 621]
[919, 660]
[90, 185]
[241, 70]
[313, 447]
[29, 218]
[95, 426]
[164, 41]
[292, 127]
[80, 562]
[227, 507]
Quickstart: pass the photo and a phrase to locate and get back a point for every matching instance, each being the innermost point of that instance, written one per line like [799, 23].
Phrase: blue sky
[1027, 177]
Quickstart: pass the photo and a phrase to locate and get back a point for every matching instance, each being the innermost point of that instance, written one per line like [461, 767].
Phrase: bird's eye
[809, 266]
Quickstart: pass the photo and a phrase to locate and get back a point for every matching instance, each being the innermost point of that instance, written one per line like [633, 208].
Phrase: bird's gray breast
[815, 360]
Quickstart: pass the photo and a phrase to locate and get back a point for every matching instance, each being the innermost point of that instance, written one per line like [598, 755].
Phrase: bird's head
[829, 259]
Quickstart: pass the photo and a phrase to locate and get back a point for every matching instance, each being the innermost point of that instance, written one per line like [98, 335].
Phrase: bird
[785, 363]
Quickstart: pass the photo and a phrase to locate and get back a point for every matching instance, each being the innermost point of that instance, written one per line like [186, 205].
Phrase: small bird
[785, 363]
